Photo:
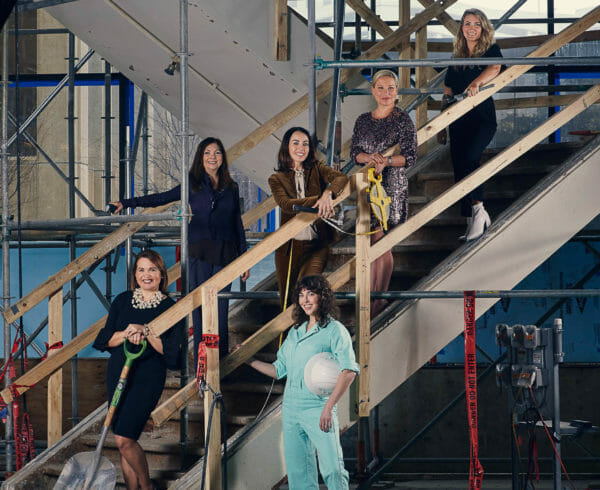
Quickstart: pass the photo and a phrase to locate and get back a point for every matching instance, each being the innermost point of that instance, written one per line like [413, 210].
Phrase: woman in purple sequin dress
[375, 132]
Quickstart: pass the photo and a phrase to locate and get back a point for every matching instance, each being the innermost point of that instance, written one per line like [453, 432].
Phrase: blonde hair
[384, 73]
[461, 50]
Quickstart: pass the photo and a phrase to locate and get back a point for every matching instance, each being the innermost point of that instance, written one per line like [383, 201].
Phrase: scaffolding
[82, 232]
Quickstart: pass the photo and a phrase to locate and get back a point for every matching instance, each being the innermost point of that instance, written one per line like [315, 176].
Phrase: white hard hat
[321, 373]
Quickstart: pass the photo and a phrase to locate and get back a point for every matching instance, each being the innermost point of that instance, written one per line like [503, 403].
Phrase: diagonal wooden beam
[457, 110]
[383, 29]
[447, 21]
[324, 88]
[87, 259]
[226, 275]
[54, 362]
[483, 173]
[249, 347]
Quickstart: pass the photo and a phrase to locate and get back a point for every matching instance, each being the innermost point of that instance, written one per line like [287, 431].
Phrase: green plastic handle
[131, 356]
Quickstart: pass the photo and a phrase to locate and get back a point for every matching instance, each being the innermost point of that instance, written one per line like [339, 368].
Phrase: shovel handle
[130, 357]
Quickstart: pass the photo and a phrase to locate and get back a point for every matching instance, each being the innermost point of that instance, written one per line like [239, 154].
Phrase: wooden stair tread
[148, 443]
[518, 170]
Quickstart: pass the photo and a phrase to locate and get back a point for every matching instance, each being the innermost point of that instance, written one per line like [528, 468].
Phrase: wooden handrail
[344, 273]
[85, 260]
[510, 74]
[290, 229]
[99, 251]
[61, 356]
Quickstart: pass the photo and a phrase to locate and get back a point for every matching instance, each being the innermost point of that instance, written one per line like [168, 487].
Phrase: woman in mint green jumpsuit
[310, 421]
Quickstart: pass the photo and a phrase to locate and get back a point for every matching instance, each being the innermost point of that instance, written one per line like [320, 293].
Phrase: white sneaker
[481, 220]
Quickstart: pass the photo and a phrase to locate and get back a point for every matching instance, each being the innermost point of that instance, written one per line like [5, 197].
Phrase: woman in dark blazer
[216, 233]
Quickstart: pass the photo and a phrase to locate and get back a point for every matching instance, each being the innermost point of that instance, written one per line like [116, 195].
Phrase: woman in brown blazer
[302, 180]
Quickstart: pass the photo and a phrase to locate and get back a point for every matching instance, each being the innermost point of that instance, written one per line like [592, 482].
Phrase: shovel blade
[74, 473]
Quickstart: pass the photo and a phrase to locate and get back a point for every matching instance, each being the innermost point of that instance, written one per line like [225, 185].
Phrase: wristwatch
[389, 160]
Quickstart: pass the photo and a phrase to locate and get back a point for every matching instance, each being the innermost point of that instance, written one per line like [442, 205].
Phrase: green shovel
[81, 470]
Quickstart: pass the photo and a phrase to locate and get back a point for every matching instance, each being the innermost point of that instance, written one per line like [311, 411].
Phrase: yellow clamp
[378, 199]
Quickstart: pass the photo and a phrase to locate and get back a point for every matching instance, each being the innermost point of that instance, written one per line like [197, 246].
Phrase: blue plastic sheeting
[581, 316]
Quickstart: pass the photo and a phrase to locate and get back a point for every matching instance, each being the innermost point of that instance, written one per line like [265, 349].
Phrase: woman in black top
[127, 319]
[216, 233]
[470, 134]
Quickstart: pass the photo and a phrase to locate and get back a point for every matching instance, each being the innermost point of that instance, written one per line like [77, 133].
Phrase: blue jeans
[201, 271]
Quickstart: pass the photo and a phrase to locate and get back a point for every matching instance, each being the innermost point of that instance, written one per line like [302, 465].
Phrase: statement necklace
[139, 303]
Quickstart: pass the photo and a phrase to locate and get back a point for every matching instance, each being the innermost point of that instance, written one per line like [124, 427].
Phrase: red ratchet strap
[201, 366]
[475, 468]
[24, 447]
[19, 457]
[56, 345]
[211, 341]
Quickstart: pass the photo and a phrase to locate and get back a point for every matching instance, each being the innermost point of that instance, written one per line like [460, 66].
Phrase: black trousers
[468, 138]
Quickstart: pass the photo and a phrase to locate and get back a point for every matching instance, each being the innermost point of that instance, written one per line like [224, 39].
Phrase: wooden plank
[404, 50]
[522, 102]
[457, 110]
[55, 383]
[53, 363]
[249, 347]
[58, 280]
[372, 18]
[193, 300]
[528, 41]
[384, 30]
[253, 215]
[421, 77]
[280, 34]
[447, 21]
[210, 326]
[505, 43]
[363, 293]
[483, 173]
[324, 88]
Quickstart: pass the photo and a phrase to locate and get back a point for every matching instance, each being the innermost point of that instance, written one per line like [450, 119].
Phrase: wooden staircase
[245, 391]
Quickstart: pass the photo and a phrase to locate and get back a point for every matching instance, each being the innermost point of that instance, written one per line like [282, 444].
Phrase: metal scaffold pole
[338, 38]
[107, 164]
[312, 84]
[184, 257]
[6, 239]
[72, 244]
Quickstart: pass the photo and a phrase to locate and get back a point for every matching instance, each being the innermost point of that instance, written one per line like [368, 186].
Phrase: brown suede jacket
[316, 180]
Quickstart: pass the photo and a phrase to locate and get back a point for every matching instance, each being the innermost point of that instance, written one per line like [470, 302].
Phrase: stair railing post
[55, 381]
[210, 326]
[363, 314]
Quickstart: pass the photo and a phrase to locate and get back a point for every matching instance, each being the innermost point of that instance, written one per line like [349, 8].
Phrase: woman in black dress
[127, 319]
[470, 134]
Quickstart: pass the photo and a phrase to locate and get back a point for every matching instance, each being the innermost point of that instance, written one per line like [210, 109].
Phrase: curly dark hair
[284, 160]
[327, 306]
[197, 172]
